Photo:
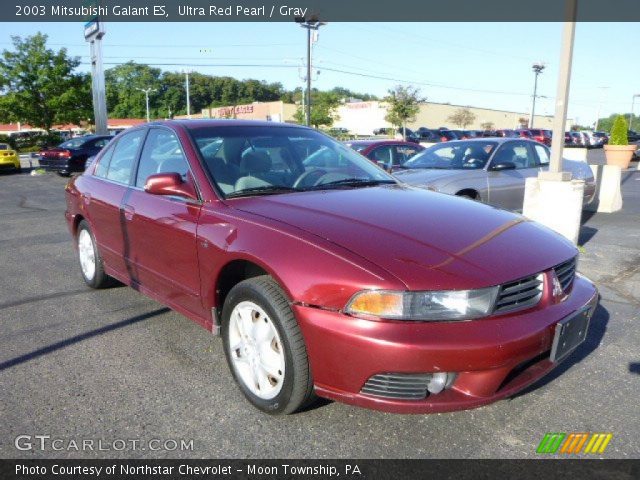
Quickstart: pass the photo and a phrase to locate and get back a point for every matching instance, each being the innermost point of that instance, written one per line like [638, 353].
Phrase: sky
[476, 64]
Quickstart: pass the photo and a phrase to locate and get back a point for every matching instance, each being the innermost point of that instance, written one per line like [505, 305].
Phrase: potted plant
[618, 151]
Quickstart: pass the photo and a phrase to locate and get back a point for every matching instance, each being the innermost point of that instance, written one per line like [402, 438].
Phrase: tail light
[64, 154]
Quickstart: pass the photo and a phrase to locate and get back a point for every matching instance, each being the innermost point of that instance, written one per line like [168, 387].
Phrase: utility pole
[633, 101]
[311, 25]
[186, 80]
[562, 96]
[604, 89]
[93, 32]
[537, 69]
[146, 98]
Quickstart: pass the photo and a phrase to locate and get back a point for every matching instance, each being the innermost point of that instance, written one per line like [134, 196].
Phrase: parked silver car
[491, 170]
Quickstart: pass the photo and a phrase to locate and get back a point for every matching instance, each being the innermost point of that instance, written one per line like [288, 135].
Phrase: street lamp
[146, 97]
[537, 69]
[633, 101]
[310, 24]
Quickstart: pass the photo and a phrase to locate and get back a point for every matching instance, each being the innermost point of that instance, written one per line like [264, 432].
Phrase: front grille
[404, 386]
[519, 294]
[566, 272]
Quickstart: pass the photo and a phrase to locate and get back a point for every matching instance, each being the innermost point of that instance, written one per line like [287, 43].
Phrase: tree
[39, 85]
[323, 109]
[487, 125]
[462, 117]
[124, 98]
[403, 106]
[619, 132]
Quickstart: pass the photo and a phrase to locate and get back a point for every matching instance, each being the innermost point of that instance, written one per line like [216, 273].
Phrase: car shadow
[79, 338]
[597, 329]
[635, 368]
[586, 234]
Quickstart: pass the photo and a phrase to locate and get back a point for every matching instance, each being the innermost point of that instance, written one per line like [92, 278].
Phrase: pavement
[78, 364]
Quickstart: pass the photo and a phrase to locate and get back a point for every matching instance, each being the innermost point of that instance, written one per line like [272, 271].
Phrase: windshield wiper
[263, 190]
[351, 182]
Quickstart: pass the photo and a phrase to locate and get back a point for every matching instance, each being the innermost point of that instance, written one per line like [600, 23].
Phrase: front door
[162, 229]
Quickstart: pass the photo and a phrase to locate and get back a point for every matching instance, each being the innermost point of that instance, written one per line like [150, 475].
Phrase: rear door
[104, 193]
[161, 229]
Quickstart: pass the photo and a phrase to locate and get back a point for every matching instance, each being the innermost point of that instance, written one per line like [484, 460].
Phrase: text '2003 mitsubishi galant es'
[332, 280]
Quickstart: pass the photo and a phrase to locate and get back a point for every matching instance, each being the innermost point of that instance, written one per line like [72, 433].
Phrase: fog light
[439, 381]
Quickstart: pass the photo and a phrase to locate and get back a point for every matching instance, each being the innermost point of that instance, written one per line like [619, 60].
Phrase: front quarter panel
[311, 270]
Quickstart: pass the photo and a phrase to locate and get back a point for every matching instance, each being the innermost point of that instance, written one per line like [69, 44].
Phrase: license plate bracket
[569, 334]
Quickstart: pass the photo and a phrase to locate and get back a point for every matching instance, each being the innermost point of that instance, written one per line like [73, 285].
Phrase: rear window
[4, 146]
[73, 143]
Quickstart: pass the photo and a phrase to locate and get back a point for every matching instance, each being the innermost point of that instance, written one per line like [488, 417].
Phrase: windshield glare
[270, 160]
[454, 156]
[73, 143]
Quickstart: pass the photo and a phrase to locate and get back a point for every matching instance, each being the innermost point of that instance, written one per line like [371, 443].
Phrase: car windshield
[73, 143]
[4, 146]
[358, 147]
[457, 155]
[263, 160]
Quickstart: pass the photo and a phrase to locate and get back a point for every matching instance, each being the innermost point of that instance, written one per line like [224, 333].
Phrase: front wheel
[91, 264]
[264, 347]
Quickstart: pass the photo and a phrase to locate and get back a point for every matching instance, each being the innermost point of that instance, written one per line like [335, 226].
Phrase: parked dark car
[523, 133]
[506, 133]
[386, 153]
[383, 131]
[71, 156]
[447, 135]
[632, 136]
[576, 138]
[338, 282]
[428, 135]
[541, 135]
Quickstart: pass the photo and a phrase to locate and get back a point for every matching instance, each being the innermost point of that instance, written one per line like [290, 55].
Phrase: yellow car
[9, 159]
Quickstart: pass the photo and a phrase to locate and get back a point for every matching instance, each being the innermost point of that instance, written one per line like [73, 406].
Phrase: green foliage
[323, 109]
[606, 124]
[39, 85]
[403, 105]
[487, 125]
[462, 117]
[9, 140]
[619, 132]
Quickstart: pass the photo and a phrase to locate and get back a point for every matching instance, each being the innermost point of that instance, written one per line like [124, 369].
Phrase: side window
[405, 152]
[103, 164]
[161, 153]
[101, 143]
[543, 155]
[382, 154]
[123, 157]
[517, 153]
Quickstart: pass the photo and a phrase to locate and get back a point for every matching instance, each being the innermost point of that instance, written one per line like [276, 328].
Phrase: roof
[378, 142]
[211, 122]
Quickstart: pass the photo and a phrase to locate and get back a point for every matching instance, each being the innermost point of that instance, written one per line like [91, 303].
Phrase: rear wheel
[91, 264]
[264, 347]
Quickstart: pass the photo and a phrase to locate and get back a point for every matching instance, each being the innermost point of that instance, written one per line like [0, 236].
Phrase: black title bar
[323, 10]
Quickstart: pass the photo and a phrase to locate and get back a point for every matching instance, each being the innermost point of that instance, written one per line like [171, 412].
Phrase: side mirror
[504, 166]
[169, 184]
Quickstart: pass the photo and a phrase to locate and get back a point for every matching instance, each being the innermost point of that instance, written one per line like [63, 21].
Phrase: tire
[261, 335]
[88, 254]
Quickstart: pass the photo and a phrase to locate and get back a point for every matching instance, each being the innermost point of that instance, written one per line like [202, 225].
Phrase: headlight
[430, 305]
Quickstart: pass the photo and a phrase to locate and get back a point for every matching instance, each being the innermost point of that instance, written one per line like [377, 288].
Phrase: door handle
[129, 212]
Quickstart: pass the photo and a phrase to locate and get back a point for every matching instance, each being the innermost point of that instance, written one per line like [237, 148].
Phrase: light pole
[537, 69]
[146, 98]
[186, 83]
[310, 24]
[633, 101]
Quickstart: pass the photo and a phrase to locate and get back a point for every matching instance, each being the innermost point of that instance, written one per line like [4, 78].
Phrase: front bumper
[493, 357]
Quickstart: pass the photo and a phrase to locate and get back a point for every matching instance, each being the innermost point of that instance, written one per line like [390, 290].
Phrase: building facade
[268, 111]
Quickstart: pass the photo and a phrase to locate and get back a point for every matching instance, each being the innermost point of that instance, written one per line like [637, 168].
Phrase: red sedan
[386, 153]
[330, 280]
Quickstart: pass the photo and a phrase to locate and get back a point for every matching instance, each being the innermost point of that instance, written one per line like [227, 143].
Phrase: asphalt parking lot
[112, 364]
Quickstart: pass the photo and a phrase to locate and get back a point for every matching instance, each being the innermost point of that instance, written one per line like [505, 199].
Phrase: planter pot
[619, 155]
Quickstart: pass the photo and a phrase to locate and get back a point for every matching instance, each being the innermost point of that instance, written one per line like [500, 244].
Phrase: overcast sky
[476, 64]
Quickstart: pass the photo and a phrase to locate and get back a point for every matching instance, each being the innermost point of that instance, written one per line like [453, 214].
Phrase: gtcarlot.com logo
[574, 443]
[49, 443]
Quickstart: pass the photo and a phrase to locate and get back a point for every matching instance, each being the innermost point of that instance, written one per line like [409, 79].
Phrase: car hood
[425, 175]
[425, 239]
